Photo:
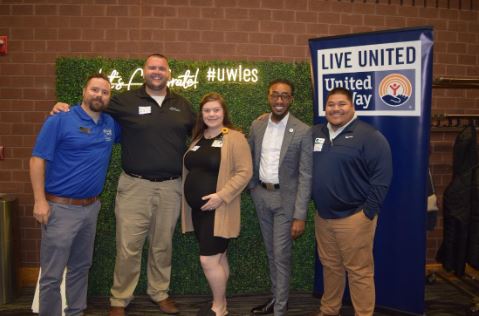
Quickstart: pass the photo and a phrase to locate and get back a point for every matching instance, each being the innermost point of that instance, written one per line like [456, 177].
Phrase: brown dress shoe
[116, 311]
[168, 306]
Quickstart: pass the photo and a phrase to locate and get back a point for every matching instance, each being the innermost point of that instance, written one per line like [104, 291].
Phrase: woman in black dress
[217, 167]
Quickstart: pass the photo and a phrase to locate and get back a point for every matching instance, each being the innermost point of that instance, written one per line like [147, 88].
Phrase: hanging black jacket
[457, 203]
[473, 240]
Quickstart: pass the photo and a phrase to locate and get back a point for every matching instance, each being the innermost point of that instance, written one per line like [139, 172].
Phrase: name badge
[142, 110]
[194, 148]
[318, 147]
[217, 143]
[318, 144]
[85, 130]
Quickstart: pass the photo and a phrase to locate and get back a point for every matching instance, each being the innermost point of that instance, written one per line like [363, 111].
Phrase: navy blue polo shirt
[77, 152]
[351, 173]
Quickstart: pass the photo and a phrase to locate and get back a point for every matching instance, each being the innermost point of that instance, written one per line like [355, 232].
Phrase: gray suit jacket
[295, 166]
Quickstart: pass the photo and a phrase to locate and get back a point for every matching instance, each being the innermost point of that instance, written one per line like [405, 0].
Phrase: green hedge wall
[245, 100]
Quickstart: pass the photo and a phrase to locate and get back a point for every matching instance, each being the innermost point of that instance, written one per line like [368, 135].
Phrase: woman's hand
[214, 201]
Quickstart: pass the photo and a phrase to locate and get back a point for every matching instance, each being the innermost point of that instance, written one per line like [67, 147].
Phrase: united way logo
[395, 89]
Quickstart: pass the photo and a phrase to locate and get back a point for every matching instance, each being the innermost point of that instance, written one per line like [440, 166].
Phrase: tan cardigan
[234, 174]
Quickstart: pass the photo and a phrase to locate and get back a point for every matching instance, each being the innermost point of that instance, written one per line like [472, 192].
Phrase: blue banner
[390, 76]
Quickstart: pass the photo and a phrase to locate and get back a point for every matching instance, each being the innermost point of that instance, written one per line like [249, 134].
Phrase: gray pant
[67, 241]
[275, 223]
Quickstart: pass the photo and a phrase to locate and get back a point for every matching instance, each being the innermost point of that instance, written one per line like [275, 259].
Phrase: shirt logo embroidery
[172, 108]
[108, 133]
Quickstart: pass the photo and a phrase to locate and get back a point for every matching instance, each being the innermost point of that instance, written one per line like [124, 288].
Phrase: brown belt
[70, 201]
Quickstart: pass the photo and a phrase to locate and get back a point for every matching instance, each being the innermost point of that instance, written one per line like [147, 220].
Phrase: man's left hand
[297, 228]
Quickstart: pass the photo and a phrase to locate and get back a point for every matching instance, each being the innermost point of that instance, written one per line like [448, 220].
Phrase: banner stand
[390, 76]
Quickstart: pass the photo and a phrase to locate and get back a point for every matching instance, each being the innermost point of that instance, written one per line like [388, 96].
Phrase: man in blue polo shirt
[68, 169]
[352, 170]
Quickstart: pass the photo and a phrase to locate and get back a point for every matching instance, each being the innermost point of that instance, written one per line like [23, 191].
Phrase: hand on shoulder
[60, 107]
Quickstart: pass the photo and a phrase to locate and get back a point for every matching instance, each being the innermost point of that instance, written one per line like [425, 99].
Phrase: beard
[97, 105]
[278, 116]
[156, 87]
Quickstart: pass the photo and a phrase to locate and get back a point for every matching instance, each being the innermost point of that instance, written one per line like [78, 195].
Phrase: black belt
[152, 179]
[269, 186]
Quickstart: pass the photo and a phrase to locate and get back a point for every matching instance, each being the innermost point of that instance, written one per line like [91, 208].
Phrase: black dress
[203, 164]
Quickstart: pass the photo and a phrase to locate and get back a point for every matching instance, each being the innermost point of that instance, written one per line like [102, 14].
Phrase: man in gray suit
[282, 149]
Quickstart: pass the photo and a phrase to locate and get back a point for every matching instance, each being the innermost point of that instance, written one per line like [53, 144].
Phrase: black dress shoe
[206, 310]
[265, 309]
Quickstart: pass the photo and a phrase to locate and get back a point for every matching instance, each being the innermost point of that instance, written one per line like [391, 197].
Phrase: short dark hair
[283, 81]
[97, 76]
[343, 91]
[158, 55]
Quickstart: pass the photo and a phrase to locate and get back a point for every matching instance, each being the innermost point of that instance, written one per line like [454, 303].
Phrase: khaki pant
[144, 209]
[346, 245]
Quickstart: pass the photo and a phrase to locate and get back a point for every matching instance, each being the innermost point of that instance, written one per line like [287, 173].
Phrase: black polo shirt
[153, 138]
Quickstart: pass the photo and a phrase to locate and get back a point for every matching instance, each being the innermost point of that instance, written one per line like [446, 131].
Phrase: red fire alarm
[3, 45]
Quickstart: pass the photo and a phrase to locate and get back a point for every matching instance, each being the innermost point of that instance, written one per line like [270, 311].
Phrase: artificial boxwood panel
[245, 100]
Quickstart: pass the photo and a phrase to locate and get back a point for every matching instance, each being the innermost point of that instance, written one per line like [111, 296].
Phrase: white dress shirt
[271, 149]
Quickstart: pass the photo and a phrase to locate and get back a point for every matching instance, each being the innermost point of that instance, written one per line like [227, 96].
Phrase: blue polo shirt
[77, 152]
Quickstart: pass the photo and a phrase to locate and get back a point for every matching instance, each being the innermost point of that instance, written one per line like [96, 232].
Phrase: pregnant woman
[217, 167]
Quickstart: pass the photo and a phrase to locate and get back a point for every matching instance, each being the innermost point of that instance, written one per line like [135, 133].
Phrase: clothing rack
[453, 122]
[467, 284]
[449, 122]
[455, 83]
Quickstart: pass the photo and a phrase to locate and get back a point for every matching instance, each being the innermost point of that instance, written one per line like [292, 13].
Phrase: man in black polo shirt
[155, 123]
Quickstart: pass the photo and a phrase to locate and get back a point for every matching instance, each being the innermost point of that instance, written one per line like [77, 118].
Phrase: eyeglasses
[283, 96]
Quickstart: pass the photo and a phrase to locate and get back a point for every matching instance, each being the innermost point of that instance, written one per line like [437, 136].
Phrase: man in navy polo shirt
[352, 171]
[68, 169]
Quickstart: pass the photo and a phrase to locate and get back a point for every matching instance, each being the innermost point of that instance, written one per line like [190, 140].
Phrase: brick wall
[40, 31]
